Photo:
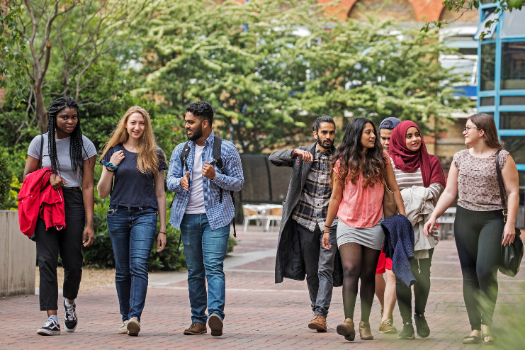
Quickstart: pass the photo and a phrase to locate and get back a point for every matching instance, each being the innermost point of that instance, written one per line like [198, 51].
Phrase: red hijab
[408, 161]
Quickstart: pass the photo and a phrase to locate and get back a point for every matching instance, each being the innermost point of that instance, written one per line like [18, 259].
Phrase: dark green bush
[5, 182]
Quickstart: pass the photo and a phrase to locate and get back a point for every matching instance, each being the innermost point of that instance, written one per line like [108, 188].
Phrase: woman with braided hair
[71, 158]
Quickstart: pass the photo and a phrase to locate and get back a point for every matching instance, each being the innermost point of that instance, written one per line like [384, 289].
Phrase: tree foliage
[238, 57]
[69, 46]
[461, 6]
[376, 69]
[270, 67]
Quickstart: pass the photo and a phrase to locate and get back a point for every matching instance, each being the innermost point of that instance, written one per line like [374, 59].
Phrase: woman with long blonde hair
[133, 175]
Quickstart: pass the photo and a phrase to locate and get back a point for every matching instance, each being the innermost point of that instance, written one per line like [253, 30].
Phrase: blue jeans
[205, 250]
[132, 232]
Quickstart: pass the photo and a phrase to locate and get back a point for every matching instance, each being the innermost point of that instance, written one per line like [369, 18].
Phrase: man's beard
[321, 143]
[197, 133]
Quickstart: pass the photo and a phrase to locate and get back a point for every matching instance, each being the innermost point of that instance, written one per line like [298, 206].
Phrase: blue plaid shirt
[218, 214]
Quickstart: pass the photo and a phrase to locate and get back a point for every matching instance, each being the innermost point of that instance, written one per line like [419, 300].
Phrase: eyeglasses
[467, 128]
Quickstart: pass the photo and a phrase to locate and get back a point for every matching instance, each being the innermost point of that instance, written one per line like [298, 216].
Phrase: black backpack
[217, 143]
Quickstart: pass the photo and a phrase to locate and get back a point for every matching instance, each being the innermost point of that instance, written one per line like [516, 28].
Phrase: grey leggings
[478, 240]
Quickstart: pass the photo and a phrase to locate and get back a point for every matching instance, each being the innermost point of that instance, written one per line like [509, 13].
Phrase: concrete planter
[17, 257]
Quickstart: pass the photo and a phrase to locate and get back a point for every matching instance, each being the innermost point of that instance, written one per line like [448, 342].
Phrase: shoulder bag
[389, 203]
[511, 255]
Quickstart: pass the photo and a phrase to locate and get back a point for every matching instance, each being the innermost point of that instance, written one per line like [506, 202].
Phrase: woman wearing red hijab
[421, 180]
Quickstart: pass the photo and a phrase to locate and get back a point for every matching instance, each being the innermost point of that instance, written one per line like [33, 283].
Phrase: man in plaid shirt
[203, 210]
[300, 251]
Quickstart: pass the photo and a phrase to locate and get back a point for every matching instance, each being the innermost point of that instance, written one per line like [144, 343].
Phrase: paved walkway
[259, 313]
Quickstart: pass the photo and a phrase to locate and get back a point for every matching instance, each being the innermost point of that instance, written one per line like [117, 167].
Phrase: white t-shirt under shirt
[196, 202]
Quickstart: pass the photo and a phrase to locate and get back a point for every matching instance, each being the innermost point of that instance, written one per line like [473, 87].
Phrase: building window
[513, 65]
[512, 100]
[513, 24]
[486, 101]
[512, 120]
[488, 66]
[516, 147]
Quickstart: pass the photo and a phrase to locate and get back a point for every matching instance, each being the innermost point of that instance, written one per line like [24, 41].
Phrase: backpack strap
[41, 150]
[115, 150]
[217, 146]
[184, 156]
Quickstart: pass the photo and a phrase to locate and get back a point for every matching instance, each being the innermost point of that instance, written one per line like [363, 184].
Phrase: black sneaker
[407, 332]
[70, 317]
[421, 325]
[51, 327]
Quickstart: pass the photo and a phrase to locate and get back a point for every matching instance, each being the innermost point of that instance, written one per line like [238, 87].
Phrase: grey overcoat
[289, 261]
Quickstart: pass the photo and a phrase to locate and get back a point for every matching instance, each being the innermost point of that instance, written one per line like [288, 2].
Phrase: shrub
[100, 254]
[5, 182]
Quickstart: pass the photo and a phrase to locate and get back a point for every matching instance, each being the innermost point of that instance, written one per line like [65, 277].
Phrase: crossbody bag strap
[116, 148]
[501, 187]
[41, 151]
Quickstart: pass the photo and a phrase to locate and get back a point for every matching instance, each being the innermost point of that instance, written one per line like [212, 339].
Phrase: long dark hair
[351, 160]
[76, 145]
[486, 123]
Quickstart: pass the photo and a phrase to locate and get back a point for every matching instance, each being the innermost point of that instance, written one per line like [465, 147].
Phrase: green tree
[461, 6]
[71, 46]
[375, 69]
[11, 62]
[239, 57]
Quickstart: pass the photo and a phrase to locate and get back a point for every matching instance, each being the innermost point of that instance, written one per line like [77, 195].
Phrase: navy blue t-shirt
[131, 188]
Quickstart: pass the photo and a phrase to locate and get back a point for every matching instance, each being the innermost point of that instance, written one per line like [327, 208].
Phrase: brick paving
[259, 313]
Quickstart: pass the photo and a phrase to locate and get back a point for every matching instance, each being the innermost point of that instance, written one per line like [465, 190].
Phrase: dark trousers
[319, 265]
[421, 270]
[478, 240]
[66, 242]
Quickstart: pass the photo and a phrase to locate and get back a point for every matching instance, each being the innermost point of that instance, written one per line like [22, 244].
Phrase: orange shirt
[361, 207]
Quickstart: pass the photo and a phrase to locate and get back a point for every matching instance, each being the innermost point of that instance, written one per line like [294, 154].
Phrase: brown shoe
[196, 328]
[364, 331]
[215, 324]
[347, 329]
[387, 327]
[318, 323]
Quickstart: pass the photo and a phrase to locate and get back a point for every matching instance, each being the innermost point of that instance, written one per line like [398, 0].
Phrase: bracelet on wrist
[110, 170]
[110, 165]
[162, 232]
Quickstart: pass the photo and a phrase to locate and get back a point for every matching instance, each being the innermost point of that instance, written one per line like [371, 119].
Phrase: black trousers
[319, 266]
[421, 270]
[478, 240]
[66, 242]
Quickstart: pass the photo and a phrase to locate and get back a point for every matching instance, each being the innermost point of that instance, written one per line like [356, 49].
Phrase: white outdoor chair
[250, 213]
[446, 223]
[275, 215]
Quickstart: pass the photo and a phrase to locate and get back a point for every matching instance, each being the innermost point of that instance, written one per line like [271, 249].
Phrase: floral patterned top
[478, 188]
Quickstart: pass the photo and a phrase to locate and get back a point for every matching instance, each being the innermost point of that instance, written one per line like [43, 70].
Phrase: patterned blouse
[478, 188]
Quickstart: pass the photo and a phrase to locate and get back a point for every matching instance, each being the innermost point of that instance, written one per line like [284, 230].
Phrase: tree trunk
[40, 109]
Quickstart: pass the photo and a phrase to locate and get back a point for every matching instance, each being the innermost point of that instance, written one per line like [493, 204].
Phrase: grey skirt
[371, 237]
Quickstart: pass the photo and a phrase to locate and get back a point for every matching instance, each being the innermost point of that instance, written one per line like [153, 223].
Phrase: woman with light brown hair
[479, 224]
[133, 175]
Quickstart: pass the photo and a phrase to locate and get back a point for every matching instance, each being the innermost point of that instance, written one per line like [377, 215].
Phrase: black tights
[359, 262]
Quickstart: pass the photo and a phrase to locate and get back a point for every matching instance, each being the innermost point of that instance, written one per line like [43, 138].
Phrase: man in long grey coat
[299, 250]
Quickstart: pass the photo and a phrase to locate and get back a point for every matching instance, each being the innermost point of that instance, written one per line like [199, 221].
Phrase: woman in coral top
[361, 169]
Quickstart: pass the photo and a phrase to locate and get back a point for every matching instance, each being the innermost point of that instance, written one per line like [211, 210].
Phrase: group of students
[335, 230]
[333, 226]
[202, 172]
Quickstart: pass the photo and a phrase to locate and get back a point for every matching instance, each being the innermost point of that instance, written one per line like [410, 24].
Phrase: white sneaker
[133, 327]
[124, 328]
